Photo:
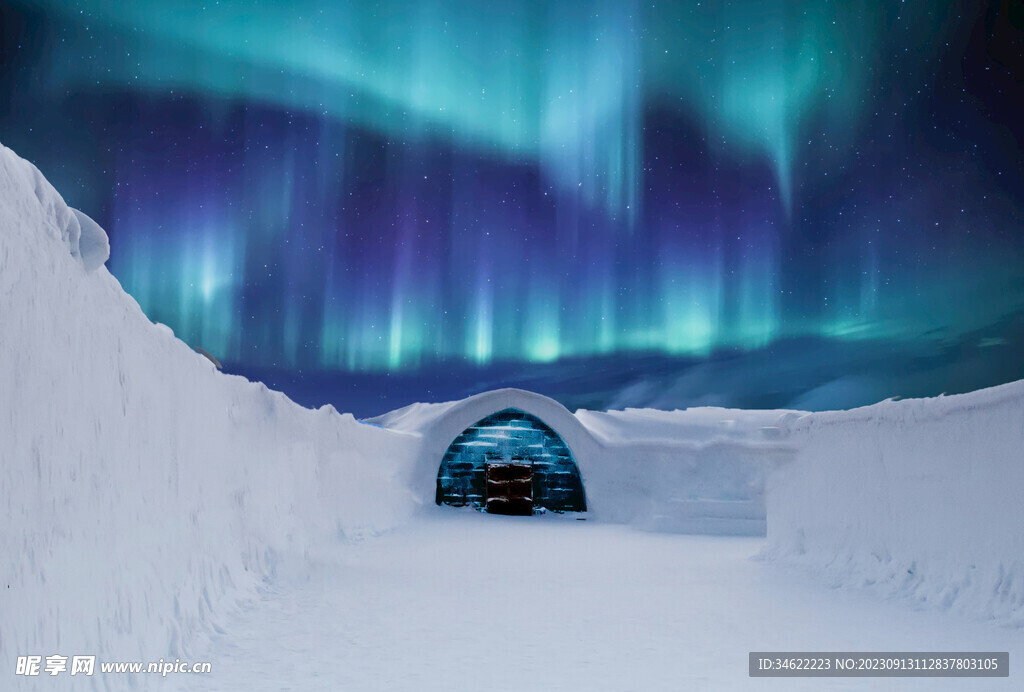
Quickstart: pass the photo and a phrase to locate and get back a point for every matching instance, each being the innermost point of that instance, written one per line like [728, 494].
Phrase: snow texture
[93, 244]
[141, 492]
[553, 604]
[918, 499]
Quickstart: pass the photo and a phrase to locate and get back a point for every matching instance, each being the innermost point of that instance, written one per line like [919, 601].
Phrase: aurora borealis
[383, 188]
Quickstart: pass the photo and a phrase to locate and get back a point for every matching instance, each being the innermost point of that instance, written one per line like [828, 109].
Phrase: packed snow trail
[466, 601]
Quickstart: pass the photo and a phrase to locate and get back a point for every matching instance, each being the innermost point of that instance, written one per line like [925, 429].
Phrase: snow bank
[141, 492]
[706, 424]
[699, 470]
[917, 499]
[93, 244]
[82, 236]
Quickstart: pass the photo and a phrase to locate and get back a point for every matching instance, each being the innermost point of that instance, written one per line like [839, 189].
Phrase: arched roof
[441, 424]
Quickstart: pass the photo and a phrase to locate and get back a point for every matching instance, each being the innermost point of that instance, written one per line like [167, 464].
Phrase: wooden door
[510, 489]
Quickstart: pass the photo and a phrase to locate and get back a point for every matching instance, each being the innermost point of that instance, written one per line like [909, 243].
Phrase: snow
[25, 187]
[916, 499]
[93, 244]
[692, 471]
[141, 492]
[478, 602]
[702, 425]
[414, 418]
[630, 426]
[156, 508]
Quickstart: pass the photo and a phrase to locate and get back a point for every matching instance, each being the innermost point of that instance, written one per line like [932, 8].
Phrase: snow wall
[698, 471]
[141, 492]
[919, 499]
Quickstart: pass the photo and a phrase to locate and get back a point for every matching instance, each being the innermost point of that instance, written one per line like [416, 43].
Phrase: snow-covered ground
[466, 601]
[152, 508]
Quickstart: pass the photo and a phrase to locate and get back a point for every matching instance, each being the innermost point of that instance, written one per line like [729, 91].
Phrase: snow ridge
[142, 493]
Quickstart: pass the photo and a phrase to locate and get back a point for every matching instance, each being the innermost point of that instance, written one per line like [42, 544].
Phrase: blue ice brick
[510, 435]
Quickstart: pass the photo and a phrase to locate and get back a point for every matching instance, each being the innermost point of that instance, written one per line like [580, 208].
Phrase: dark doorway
[510, 489]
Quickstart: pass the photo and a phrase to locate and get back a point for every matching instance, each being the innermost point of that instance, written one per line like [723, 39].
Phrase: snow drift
[141, 492]
[916, 499]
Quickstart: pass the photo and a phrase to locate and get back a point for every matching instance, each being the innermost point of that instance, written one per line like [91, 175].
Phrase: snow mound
[414, 418]
[917, 499]
[93, 244]
[142, 493]
[24, 186]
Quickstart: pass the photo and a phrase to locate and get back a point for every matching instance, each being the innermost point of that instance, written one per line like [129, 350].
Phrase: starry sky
[589, 195]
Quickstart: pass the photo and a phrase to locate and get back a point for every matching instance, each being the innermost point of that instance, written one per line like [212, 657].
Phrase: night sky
[756, 203]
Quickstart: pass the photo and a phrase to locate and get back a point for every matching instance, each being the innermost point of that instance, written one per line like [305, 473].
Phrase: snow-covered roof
[608, 427]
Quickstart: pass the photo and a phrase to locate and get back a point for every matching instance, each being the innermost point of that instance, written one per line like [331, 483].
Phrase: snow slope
[141, 492]
[918, 499]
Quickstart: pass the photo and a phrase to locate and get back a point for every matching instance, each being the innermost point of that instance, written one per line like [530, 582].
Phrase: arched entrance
[510, 462]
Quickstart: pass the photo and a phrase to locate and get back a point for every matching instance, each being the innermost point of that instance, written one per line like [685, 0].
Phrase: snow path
[465, 601]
